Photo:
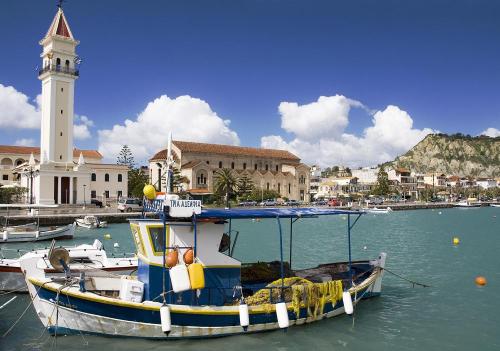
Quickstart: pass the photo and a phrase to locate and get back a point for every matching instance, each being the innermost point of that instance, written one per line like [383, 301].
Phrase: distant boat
[468, 203]
[91, 222]
[378, 210]
[82, 257]
[495, 205]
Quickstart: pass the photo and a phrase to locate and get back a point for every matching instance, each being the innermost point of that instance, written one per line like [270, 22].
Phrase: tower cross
[59, 3]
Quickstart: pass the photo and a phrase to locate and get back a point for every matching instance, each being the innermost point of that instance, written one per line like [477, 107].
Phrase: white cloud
[16, 111]
[25, 142]
[491, 132]
[81, 127]
[390, 134]
[329, 112]
[188, 118]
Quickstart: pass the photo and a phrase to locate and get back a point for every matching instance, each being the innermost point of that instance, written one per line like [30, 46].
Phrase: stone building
[268, 169]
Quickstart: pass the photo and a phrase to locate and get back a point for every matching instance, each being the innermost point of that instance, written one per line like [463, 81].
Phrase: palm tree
[225, 183]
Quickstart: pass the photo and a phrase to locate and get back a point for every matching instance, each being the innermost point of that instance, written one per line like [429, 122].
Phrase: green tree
[382, 187]
[12, 195]
[125, 157]
[226, 182]
[245, 186]
[177, 180]
[263, 194]
[136, 181]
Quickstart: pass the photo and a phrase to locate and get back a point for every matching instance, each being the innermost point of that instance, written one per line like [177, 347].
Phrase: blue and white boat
[189, 285]
[158, 304]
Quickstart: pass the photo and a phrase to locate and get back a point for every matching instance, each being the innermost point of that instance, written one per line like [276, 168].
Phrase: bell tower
[58, 74]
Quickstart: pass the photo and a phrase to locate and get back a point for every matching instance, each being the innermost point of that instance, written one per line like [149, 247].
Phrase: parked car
[291, 203]
[320, 203]
[268, 203]
[129, 205]
[96, 202]
[334, 202]
[375, 201]
[248, 203]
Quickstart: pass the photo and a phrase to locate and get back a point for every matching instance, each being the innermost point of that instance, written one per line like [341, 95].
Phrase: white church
[57, 173]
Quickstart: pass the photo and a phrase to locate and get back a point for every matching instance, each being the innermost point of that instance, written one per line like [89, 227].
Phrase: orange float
[480, 281]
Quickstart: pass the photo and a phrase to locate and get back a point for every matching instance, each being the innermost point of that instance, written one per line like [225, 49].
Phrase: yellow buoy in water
[456, 241]
[149, 191]
[107, 236]
[480, 281]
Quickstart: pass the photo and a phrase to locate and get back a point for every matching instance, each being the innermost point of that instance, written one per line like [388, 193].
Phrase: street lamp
[84, 199]
[31, 172]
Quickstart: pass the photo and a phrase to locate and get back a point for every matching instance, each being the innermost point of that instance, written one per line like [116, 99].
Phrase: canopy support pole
[195, 235]
[291, 239]
[349, 240]
[164, 266]
[282, 271]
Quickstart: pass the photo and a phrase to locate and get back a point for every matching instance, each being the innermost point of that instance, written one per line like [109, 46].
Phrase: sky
[336, 82]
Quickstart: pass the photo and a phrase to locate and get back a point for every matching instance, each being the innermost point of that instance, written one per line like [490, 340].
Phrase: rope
[406, 279]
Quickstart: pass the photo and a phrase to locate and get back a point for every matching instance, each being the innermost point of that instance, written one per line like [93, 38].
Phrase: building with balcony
[268, 169]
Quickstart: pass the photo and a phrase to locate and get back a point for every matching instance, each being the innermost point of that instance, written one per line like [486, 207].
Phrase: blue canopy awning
[299, 212]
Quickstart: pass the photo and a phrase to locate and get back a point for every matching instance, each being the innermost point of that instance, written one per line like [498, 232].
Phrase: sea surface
[452, 314]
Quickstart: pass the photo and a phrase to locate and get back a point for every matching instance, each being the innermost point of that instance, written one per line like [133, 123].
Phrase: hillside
[455, 154]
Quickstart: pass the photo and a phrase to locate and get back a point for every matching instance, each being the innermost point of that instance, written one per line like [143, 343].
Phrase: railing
[59, 68]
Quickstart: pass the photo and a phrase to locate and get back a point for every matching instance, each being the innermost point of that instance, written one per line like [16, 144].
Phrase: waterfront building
[435, 179]
[402, 181]
[268, 169]
[486, 183]
[56, 172]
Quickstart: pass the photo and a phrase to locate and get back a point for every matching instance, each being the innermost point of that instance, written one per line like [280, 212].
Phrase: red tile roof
[27, 150]
[186, 146]
[62, 28]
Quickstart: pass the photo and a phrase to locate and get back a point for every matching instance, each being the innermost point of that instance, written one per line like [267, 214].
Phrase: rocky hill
[455, 154]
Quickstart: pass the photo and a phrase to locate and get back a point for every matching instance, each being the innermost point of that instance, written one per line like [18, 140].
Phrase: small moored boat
[91, 222]
[471, 202]
[82, 258]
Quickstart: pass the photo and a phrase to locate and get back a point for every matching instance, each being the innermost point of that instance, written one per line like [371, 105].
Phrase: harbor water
[452, 314]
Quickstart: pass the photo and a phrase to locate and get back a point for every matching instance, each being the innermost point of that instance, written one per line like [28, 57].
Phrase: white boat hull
[64, 232]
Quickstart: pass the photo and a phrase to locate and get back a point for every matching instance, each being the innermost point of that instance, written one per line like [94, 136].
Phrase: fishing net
[299, 293]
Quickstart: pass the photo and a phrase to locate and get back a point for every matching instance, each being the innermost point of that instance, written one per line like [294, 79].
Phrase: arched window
[244, 166]
[267, 167]
[255, 166]
[267, 186]
[120, 177]
[277, 168]
[232, 165]
[106, 177]
[93, 177]
[58, 63]
[66, 65]
[220, 164]
[289, 188]
[279, 187]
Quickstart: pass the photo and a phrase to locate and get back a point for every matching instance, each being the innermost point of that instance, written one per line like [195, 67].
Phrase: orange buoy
[188, 256]
[480, 281]
[172, 258]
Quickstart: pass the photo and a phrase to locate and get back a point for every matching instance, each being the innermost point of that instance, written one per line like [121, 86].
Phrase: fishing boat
[91, 222]
[471, 202]
[190, 285]
[81, 258]
[215, 294]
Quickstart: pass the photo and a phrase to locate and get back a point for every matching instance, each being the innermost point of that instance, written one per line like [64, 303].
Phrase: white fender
[346, 298]
[244, 317]
[5, 235]
[166, 322]
[282, 314]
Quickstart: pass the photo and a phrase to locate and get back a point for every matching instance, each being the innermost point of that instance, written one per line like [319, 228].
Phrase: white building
[366, 175]
[60, 174]
[486, 183]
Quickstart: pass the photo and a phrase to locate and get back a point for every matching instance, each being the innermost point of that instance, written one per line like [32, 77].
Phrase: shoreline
[56, 218]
